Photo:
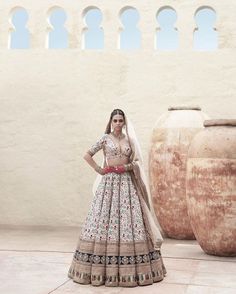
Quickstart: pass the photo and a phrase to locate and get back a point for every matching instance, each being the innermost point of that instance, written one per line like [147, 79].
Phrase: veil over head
[139, 177]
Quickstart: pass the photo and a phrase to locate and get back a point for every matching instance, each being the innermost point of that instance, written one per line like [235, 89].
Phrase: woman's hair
[114, 112]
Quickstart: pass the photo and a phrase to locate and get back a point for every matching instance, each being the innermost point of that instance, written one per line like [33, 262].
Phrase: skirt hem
[116, 281]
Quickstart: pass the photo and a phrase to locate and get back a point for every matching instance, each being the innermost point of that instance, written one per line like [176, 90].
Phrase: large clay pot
[211, 187]
[170, 140]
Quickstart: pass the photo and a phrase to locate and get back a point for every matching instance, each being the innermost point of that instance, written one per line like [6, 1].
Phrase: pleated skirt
[114, 246]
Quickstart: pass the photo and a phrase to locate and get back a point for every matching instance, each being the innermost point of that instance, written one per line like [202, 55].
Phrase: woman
[120, 242]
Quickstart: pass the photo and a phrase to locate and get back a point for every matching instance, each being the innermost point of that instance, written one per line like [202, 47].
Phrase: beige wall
[56, 103]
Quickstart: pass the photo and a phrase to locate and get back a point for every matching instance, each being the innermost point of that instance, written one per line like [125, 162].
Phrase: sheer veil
[141, 180]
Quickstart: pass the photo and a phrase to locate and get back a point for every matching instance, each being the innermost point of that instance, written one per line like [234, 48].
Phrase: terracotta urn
[170, 140]
[211, 187]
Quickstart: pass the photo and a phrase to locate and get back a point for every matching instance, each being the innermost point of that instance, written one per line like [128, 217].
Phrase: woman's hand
[100, 170]
[105, 170]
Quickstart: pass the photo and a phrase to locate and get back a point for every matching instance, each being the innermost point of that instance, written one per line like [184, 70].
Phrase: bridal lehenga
[115, 247]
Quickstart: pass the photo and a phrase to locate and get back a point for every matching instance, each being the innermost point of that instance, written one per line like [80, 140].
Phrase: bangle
[97, 168]
[128, 166]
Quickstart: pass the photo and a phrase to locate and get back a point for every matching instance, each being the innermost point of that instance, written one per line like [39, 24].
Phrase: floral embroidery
[115, 210]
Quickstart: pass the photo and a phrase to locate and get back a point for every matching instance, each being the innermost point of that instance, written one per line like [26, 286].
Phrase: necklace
[119, 137]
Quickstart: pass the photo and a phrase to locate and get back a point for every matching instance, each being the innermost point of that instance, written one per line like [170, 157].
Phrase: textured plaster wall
[55, 103]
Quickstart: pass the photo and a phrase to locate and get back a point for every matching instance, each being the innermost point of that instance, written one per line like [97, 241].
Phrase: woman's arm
[93, 164]
[93, 150]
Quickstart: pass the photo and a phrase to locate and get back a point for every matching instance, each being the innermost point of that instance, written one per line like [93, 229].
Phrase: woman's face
[117, 122]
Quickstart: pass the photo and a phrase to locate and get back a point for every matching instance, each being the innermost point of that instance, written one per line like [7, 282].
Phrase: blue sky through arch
[202, 18]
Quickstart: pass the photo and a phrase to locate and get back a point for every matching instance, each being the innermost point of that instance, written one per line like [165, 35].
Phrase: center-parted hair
[114, 112]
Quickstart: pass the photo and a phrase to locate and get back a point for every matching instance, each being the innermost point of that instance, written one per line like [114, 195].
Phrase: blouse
[111, 148]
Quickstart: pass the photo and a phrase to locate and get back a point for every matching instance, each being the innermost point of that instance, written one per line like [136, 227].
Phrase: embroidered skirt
[114, 247]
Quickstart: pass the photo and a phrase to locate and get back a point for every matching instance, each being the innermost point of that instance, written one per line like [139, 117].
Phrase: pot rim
[219, 122]
[184, 107]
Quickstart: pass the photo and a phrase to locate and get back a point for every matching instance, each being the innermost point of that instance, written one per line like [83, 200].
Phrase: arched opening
[205, 36]
[57, 37]
[19, 37]
[167, 33]
[93, 35]
[129, 33]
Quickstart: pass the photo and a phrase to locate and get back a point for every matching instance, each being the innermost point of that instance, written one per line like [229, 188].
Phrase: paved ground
[35, 260]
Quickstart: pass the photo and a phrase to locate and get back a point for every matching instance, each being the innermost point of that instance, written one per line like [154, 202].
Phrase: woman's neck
[117, 134]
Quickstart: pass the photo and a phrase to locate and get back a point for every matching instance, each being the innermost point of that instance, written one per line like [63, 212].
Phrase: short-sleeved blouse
[111, 148]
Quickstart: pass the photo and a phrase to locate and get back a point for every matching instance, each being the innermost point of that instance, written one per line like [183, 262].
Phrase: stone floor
[35, 260]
